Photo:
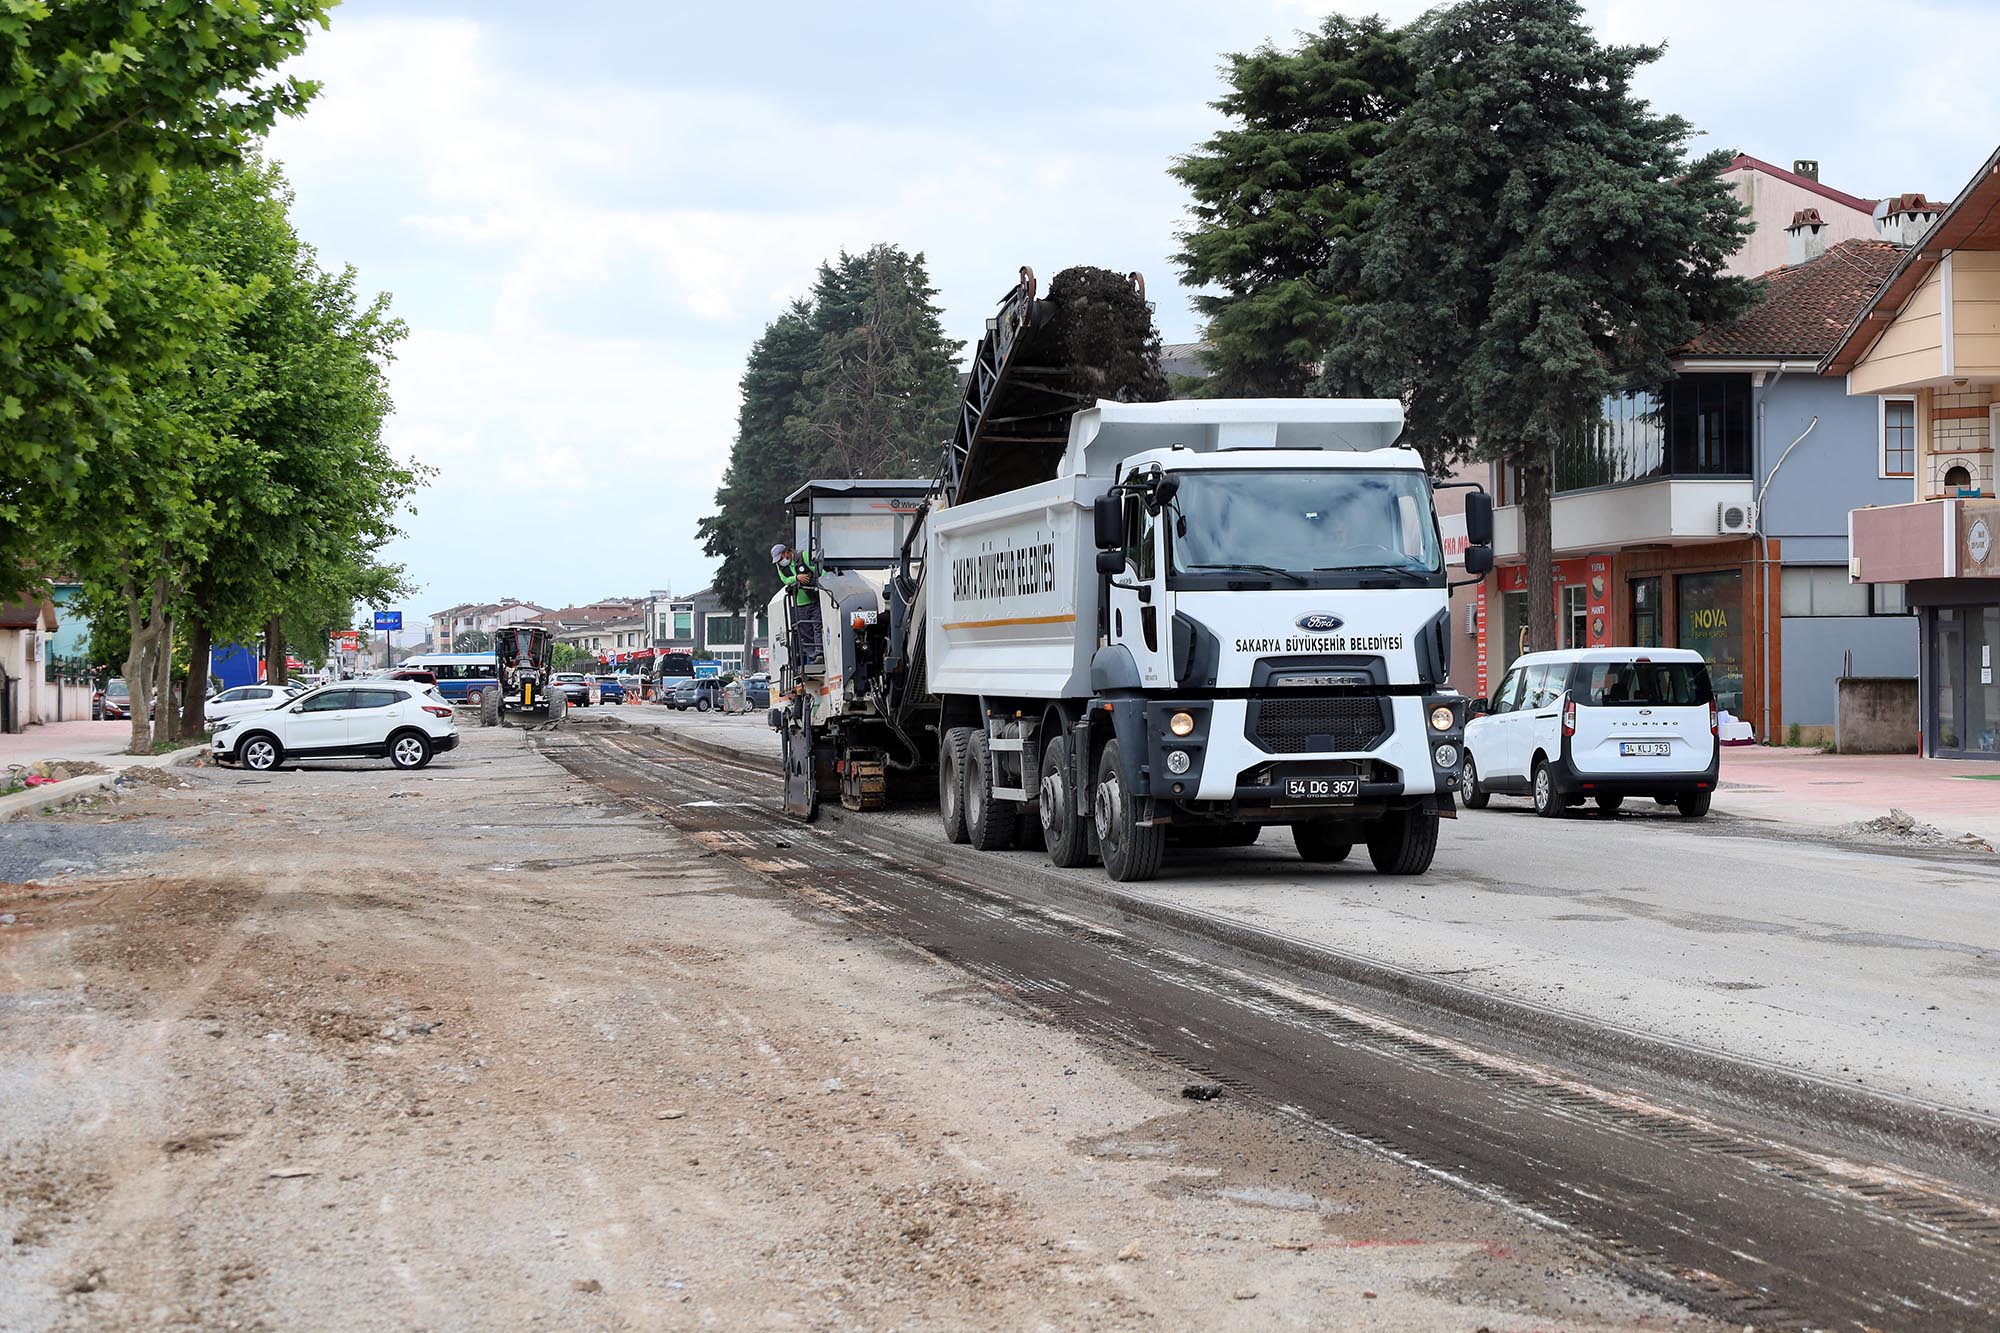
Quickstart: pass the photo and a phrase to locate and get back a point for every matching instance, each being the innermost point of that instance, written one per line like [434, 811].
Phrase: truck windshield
[1320, 526]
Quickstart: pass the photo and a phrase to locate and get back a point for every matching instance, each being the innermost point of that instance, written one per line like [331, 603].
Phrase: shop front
[1583, 613]
[1946, 554]
[1707, 597]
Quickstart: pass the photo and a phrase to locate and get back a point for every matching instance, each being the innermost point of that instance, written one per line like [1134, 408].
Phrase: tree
[878, 399]
[857, 381]
[472, 641]
[313, 495]
[1278, 190]
[569, 657]
[765, 462]
[1541, 241]
[98, 103]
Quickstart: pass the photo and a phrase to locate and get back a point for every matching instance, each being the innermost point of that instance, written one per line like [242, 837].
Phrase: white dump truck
[1217, 615]
[1172, 623]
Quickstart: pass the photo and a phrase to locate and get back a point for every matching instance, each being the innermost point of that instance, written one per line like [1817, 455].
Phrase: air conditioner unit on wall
[1736, 518]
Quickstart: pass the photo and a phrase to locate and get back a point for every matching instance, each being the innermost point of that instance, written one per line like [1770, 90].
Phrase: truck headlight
[1442, 719]
[1177, 760]
[1181, 724]
[1445, 756]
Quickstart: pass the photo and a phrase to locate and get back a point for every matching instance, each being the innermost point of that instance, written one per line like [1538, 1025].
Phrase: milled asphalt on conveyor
[1734, 1219]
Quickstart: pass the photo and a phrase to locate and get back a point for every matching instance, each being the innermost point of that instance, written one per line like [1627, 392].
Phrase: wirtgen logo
[1319, 622]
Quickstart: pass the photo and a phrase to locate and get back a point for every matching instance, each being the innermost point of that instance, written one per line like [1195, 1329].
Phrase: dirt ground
[480, 1048]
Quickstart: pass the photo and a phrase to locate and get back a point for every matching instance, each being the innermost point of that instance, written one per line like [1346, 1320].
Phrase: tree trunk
[274, 651]
[193, 716]
[142, 620]
[1538, 536]
[163, 682]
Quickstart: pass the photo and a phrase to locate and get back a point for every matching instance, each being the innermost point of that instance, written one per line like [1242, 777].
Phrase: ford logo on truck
[1320, 622]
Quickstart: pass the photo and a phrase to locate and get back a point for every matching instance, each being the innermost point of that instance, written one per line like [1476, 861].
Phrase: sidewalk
[1806, 787]
[102, 742]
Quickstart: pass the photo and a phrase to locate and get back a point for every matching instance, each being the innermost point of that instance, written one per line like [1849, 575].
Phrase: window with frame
[1820, 591]
[1899, 437]
[683, 624]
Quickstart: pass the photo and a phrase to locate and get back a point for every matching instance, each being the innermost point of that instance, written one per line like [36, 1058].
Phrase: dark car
[610, 690]
[114, 701]
[416, 674]
[757, 691]
[700, 694]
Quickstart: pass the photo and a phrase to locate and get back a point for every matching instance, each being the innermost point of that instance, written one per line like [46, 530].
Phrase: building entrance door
[1964, 707]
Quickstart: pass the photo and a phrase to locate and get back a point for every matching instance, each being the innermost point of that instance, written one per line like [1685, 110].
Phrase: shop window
[1646, 613]
[1820, 591]
[1576, 616]
[1711, 623]
[1899, 437]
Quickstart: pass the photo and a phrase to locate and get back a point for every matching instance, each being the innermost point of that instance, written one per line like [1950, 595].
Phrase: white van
[1597, 724]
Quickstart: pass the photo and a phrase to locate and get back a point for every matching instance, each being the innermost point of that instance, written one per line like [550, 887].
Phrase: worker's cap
[778, 552]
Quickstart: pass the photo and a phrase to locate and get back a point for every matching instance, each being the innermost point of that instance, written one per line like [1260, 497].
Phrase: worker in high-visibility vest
[801, 573]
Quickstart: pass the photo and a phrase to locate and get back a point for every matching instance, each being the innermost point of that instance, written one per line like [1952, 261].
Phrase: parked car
[699, 694]
[245, 699]
[610, 690]
[113, 701]
[1597, 724]
[663, 689]
[575, 687]
[414, 673]
[757, 690]
[403, 721]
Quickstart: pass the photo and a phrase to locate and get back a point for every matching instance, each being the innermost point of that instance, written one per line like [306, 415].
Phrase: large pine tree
[1541, 240]
[879, 400]
[1277, 190]
[857, 381]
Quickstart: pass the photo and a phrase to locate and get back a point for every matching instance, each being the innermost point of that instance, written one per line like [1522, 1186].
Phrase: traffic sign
[707, 670]
[389, 620]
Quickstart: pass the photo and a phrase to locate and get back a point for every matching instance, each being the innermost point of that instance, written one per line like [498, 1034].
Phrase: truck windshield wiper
[1293, 575]
[1383, 576]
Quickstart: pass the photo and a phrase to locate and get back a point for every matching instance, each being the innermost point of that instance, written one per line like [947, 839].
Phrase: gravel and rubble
[1901, 828]
[293, 1050]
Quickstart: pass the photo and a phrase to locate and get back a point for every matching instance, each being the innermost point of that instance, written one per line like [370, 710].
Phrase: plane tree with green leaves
[99, 103]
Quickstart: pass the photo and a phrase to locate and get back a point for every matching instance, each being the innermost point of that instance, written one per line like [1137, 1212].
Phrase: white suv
[1597, 724]
[404, 721]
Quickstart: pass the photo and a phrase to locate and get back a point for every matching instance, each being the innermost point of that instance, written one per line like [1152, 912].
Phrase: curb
[1808, 1098]
[40, 800]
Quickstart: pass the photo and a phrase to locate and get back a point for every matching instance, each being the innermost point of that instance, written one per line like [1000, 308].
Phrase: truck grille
[1340, 722]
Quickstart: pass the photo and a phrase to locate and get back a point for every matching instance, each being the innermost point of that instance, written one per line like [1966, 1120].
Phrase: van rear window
[1640, 684]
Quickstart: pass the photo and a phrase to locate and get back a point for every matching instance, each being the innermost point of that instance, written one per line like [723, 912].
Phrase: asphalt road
[1730, 1215]
[1873, 968]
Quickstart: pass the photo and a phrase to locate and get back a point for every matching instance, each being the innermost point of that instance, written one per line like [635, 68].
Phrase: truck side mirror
[1107, 519]
[1479, 519]
[1479, 561]
[1111, 562]
[1163, 494]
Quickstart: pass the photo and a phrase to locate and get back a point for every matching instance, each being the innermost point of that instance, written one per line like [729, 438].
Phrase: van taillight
[1569, 716]
[1714, 724]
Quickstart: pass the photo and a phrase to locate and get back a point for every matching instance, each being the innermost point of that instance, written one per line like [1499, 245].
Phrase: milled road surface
[488, 1047]
[1728, 1214]
[1872, 967]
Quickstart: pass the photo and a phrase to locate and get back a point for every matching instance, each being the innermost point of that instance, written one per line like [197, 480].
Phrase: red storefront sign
[1591, 573]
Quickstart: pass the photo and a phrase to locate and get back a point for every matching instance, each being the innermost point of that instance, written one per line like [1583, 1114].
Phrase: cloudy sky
[587, 212]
